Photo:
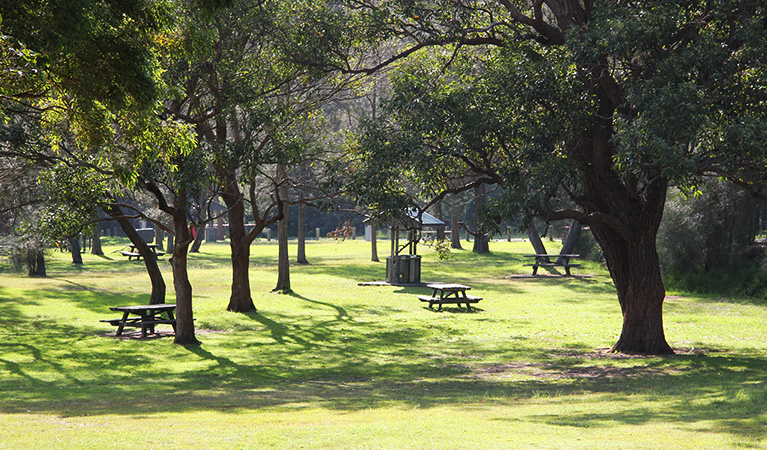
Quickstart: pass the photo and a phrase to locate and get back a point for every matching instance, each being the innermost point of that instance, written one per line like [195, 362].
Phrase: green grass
[337, 365]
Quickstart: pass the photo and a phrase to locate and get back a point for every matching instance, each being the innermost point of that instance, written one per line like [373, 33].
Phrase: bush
[706, 241]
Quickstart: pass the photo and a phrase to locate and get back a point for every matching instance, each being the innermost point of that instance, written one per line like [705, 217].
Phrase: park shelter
[403, 265]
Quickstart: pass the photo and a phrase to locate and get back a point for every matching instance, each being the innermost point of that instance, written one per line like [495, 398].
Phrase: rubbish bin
[403, 269]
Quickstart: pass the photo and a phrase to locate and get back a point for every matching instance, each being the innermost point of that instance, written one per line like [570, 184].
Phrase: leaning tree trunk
[200, 234]
[150, 261]
[535, 240]
[570, 241]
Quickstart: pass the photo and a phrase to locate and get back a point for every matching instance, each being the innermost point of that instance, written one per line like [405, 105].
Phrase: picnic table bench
[449, 293]
[132, 253]
[542, 260]
[144, 316]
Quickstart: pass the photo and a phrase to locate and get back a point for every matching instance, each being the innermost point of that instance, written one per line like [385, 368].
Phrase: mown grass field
[336, 365]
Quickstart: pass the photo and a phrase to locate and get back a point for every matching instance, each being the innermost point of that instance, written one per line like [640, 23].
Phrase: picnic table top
[448, 287]
[135, 308]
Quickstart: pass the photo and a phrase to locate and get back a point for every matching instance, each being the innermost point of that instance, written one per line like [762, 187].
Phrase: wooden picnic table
[144, 316]
[543, 260]
[442, 293]
[132, 253]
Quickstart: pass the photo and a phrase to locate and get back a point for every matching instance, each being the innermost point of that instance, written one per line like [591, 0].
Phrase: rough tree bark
[240, 299]
[185, 333]
[240, 240]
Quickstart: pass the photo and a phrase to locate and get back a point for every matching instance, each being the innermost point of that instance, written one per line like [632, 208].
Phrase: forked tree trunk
[240, 299]
[628, 243]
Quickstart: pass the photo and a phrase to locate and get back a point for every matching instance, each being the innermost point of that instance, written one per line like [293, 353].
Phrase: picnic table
[132, 253]
[544, 261]
[144, 316]
[442, 293]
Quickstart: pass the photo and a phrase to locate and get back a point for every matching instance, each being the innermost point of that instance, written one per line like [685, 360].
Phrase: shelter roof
[410, 220]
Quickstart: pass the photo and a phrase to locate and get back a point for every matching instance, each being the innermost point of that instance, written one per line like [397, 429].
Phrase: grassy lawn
[337, 365]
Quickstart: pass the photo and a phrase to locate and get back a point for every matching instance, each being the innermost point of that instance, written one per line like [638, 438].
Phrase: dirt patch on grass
[558, 371]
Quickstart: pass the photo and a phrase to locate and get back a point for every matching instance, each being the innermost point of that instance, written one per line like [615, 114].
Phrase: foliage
[706, 241]
[709, 231]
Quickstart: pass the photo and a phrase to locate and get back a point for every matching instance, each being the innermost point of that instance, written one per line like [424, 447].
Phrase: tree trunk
[158, 237]
[535, 240]
[373, 244]
[455, 231]
[36, 264]
[283, 263]
[480, 238]
[571, 240]
[96, 245]
[74, 245]
[185, 334]
[301, 253]
[150, 262]
[440, 228]
[198, 237]
[630, 216]
[240, 299]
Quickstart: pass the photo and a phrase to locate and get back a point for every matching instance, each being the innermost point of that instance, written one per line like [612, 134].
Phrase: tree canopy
[607, 104]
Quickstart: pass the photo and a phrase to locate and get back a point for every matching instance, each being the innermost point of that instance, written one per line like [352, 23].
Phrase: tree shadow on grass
[376, 368]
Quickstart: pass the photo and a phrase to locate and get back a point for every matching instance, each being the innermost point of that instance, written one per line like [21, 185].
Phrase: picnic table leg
[170, 317]
[122, 324]
[145, 318]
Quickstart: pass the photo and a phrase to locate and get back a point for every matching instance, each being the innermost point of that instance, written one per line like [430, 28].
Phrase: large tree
[607, 103]
[251, 104]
